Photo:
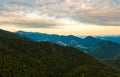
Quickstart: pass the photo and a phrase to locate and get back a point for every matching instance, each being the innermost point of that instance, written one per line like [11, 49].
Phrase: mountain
[100, 48]
[11, 35]
[106, 50]
[110, 38]
[80, 43]
[91, 42]
[26, 58]
[8, 34]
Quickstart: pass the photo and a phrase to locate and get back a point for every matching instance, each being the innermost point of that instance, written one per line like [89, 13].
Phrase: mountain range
[98, 47]
[110, 38]
[69, 40]
[21, 57]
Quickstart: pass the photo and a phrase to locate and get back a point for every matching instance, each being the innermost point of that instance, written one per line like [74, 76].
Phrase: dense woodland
[21, 57]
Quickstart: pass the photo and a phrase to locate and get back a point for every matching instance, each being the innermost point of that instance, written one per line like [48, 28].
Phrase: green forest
[21, 57]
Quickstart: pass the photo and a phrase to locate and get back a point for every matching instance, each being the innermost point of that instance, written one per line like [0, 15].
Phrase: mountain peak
[89, 37]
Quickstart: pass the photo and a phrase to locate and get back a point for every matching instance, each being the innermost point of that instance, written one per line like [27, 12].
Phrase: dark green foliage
[20, 57]
[116, 61]
[91, 71]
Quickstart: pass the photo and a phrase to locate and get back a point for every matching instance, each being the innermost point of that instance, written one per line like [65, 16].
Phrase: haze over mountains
[100, 48]
[110, 38]
[70, 40]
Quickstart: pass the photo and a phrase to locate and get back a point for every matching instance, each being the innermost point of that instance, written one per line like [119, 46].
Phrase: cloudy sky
[77, 17]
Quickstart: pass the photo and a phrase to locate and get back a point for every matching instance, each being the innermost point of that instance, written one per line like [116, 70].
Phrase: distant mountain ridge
[91, 45]
[110, 38]
[106, 50]
[69, 40]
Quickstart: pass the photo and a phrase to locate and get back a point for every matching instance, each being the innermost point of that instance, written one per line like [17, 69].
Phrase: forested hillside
[20, 57]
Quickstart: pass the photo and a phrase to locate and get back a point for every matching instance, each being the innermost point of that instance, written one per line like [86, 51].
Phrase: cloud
[52, 13]
[100, 17]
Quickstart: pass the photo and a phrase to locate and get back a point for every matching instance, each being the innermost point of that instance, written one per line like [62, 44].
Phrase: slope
[106, 50]
[25, 58]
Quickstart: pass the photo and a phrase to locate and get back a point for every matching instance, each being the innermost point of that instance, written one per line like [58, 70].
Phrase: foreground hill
[116, 61]
[24, 58]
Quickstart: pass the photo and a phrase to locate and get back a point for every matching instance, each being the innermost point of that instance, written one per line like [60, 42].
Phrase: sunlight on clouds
[79, 30]
[78, 17]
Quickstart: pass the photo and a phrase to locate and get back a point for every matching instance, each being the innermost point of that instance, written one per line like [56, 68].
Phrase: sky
[64, 17]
